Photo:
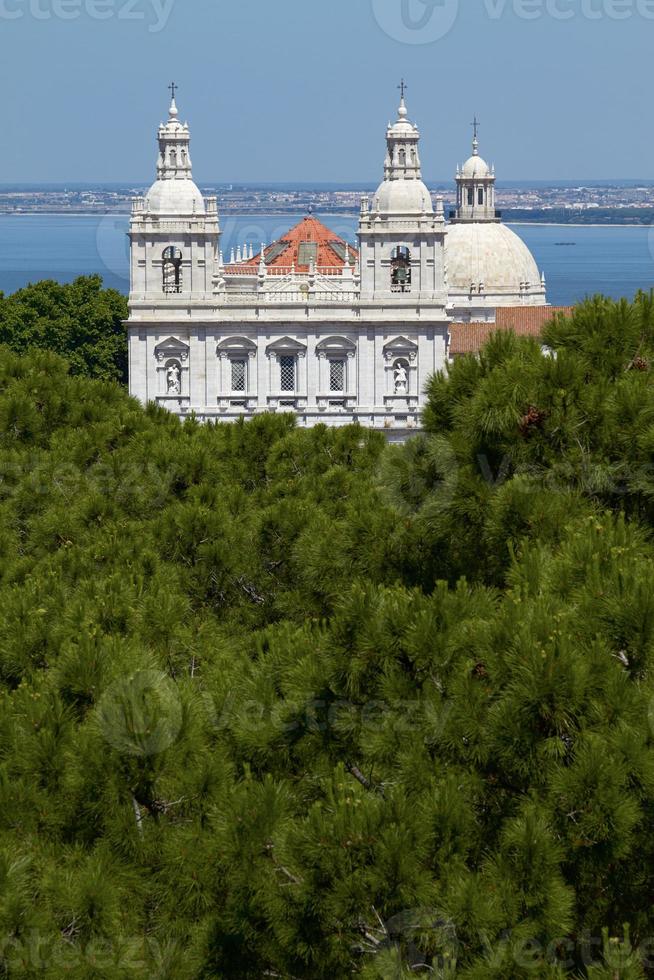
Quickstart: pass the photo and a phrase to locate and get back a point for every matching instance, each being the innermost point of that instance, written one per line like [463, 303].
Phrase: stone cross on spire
[475, 143]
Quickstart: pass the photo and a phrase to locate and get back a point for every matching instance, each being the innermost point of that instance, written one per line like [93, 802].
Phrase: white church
[311, 324]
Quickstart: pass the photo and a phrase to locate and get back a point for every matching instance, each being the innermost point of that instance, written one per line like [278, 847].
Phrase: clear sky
[298, 90]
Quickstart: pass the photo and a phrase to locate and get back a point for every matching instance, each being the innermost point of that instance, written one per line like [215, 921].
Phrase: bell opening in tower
[401, 270]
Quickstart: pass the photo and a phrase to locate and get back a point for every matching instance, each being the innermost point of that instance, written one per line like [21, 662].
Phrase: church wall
[205, 376]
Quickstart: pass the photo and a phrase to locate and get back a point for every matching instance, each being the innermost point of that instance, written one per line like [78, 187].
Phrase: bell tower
[401, 236]
[174, 232]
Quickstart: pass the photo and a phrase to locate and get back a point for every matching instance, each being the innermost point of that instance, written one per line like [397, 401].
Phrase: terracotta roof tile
[309, 237]
[528, 318]
[525, 321]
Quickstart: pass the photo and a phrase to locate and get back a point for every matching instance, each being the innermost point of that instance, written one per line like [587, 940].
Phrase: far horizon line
[325, 184]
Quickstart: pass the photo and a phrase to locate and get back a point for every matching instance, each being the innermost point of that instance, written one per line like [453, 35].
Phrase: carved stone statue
[401, 380]
[174, 380]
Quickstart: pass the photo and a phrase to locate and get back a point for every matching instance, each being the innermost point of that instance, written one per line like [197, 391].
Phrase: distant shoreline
[328, 214]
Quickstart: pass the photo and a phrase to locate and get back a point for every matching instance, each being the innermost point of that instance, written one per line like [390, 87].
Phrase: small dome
[403, 197]
[174, 197]
[489, 253]
[476, 166]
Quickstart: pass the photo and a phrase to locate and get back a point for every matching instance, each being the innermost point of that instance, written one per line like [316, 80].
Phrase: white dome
[476, 166]
[403, 197]
[489, 253]
[174, 197]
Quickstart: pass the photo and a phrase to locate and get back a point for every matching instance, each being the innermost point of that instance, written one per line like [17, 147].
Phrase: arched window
[481, 195]
[173, 158]
[403, 157]
[401, 270]
[172, 270]
[471, 197]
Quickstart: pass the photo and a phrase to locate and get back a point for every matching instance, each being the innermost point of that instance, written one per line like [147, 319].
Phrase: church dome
[174, 197]
[403, 197]
[492, 254]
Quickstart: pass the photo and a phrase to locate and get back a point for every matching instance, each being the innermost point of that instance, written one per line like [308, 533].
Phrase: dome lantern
[475, 182]
[174, 192]
[403, 191]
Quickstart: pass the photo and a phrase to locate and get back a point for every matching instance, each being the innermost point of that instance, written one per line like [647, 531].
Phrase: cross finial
[475, 125]
[173, 88]
[403, 87]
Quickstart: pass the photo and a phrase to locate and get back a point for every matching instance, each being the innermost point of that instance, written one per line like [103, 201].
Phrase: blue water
[617, 261]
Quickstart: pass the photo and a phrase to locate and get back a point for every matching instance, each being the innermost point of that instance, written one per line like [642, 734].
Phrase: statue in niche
[401, 379]
[174, 378]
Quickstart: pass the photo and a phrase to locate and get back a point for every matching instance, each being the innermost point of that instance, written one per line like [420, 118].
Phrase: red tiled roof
[330, 249]
[528, 319]
[525, 321]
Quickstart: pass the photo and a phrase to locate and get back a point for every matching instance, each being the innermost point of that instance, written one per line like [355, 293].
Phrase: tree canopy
[294, 703]
[81, 321]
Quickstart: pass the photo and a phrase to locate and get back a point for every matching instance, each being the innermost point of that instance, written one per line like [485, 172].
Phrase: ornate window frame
[336, 349]
[286, 347]
[236, 349]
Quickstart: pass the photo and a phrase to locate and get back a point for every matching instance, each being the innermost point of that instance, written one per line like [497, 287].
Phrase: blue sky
[284, 90]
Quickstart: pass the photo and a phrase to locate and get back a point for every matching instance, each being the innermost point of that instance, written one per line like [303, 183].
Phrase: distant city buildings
[608, 204]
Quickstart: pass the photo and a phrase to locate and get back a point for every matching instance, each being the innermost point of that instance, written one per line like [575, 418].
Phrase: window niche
[172, 358]
[401, 364]
[173, 378]
[172, 270]
[401, 370]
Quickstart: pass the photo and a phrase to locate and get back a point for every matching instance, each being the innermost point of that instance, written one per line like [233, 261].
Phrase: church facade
[311, 324]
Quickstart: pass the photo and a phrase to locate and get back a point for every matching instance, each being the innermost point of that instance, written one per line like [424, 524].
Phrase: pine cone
[534, 419]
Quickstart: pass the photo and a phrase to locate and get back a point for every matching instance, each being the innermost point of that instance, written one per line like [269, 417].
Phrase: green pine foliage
[292, 703]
